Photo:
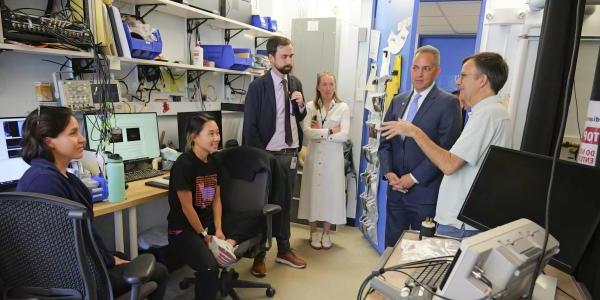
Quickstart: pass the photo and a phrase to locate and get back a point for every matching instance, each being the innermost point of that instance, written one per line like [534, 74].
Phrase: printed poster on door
[588, 151]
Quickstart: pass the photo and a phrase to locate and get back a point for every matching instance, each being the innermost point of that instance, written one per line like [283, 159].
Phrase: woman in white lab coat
[322, 194]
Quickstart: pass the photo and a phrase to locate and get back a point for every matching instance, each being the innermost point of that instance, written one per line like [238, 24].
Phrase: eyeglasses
[461, 76]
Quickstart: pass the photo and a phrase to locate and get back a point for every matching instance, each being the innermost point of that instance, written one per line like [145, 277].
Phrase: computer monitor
[11, 163]
[505, 256]
[138, 137]
[513, 184]
[183, 119]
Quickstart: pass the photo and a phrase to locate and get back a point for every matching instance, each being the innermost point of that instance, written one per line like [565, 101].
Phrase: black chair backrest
[241, 196]
[46, 242]
[243, 199]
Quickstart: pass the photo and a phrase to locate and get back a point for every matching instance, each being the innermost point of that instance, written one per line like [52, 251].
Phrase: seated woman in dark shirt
[196, 211]
[51, 139]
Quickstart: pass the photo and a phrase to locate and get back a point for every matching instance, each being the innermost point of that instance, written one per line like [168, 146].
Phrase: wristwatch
[204, 233]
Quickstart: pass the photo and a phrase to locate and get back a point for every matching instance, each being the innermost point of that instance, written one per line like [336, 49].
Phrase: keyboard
[430, 276]
[142, 174]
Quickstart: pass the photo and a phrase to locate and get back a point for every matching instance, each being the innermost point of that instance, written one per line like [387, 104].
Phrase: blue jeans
[454, 232]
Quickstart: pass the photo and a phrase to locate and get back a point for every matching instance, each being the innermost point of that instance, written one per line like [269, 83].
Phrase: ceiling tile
[429, 9]
[463, 20]
[433, 21]
[461, 8]
[465, 29]
[435, 30]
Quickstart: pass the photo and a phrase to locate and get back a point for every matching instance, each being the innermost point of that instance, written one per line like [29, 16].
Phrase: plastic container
[260, 22]
[273, 25]
[198, 55]
[141, 48]
[227, 57]
[115, 171]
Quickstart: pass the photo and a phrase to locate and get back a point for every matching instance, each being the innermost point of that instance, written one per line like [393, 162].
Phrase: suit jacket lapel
[404, 105]
[271, 92]
[426, 104]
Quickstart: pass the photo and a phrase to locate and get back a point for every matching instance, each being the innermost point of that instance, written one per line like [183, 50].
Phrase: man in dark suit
[273, 110]
[413, 181]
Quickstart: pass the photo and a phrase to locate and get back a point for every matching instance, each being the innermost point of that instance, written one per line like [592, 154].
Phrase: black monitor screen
[12, 165]
[512, 184]
[182, 121]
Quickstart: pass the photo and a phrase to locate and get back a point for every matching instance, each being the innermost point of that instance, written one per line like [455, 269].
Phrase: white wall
[591, 23]
[284, 11]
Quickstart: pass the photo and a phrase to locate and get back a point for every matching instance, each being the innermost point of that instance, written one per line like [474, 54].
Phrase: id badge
[293, 163]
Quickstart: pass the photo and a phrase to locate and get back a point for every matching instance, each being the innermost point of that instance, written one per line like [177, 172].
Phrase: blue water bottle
[115, 171]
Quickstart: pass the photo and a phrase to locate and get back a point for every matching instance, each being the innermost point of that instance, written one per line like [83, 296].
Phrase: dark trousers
[190, 247]
[119, 286]
[281, 221]
[403, 215]
[192, 250]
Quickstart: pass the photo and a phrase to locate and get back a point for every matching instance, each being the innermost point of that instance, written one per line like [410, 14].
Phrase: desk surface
[565, 281]
[137, 193]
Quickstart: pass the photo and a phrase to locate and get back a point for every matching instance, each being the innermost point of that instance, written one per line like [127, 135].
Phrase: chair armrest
[139, 270]
[270, 209]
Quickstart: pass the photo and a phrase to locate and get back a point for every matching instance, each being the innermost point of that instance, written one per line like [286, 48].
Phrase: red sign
[591, 135]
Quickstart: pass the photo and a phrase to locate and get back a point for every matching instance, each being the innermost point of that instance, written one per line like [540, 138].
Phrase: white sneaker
[326, 241]
[315, 241]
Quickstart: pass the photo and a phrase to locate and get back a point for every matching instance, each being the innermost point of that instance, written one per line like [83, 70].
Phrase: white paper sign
[588, 150]
[374, 44]
[312, 26]
[114, 63]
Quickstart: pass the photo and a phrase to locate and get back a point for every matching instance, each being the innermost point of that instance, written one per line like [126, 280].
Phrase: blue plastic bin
[262, 52]
[225, 57]
[141, 48]
[260, 22]
[273, 25]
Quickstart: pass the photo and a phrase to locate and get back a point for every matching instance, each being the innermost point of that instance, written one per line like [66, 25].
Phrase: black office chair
[47, 251]
[248, 199]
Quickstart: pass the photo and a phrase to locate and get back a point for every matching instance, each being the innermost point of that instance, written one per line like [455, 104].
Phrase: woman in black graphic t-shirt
[195, 205]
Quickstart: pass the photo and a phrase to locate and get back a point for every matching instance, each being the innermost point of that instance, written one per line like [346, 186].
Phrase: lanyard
[323, 119]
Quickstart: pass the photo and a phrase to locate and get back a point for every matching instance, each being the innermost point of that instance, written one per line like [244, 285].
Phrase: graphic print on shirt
[206, 188]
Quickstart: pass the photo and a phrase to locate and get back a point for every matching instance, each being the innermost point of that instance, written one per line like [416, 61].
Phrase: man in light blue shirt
[481, 77]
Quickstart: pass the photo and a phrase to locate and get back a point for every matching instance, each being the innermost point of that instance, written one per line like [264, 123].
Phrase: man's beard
[285, 69]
